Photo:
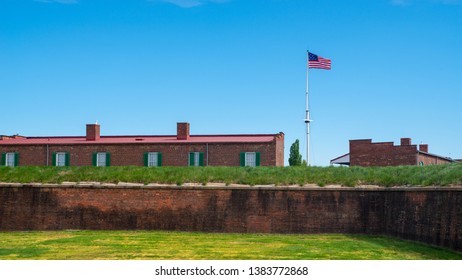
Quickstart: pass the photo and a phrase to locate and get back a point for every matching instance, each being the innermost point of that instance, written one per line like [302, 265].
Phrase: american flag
[315, 61]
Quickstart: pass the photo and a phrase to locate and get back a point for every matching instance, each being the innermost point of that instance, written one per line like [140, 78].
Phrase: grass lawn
[156, 245]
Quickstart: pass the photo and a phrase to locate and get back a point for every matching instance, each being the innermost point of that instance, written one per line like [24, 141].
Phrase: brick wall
[430, 215]
[366, 153]
[221, 154]
[29, 155]
[428, 159]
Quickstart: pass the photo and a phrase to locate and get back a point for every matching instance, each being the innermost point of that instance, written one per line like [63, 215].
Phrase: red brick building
[366, 153]
[182, 149]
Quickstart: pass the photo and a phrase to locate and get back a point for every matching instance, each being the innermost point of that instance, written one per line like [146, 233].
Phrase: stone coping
[223, 186]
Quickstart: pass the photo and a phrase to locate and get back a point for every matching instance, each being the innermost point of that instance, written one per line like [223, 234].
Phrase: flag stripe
[315, 61]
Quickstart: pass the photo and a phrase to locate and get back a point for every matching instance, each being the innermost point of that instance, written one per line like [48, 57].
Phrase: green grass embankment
[437, 175]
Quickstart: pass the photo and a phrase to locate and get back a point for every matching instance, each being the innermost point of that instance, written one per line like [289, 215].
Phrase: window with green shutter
[101, 159]
[60, 159]
[152, 159]
[196, 159]
[10, 159]
[251, 159]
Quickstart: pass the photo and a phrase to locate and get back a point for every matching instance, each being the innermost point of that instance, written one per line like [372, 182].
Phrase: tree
[295, 158]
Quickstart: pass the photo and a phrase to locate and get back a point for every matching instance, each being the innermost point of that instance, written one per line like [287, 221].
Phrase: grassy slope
[441, 175]
[197, 246]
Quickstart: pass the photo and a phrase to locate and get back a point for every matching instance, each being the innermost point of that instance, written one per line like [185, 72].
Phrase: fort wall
[430, 215]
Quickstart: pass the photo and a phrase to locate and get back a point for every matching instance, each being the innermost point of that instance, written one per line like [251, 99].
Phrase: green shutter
[201, 159]
[3, 159]
[67, 159]
[146, 157]
[16, 159]
[191, 159]
[53, 159]
[159, 159]
[94, 159]
[242, 159]
[108, 159]
[257, 159]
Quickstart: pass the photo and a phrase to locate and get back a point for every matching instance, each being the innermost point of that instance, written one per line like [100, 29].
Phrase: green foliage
[295, 158]
[436, 175]
[156, 245]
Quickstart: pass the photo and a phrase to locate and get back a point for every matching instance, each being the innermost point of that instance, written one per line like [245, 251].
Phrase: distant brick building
[366, 153]
[182, 149]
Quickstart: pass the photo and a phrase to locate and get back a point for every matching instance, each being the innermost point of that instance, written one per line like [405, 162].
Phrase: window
[60, 159]
[250, 159]
[10, 159]
[101, 159]
[196, 159]
[153, 159]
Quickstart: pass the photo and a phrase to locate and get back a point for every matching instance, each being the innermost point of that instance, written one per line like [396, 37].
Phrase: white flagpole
[307, 117]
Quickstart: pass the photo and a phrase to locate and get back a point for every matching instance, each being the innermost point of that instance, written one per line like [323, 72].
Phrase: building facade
[182, 149]
[364, 152]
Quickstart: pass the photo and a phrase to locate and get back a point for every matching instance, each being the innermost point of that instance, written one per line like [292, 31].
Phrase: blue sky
[235, 66]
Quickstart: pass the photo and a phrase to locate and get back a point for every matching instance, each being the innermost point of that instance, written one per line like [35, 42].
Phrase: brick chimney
[405, 141]
[182, 131]
[93, 132]
[423, 148]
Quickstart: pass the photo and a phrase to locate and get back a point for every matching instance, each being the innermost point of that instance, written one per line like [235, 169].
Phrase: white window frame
[10, 159]
[60, 159]
[153, 159]
[101, 159]
[251, 159]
